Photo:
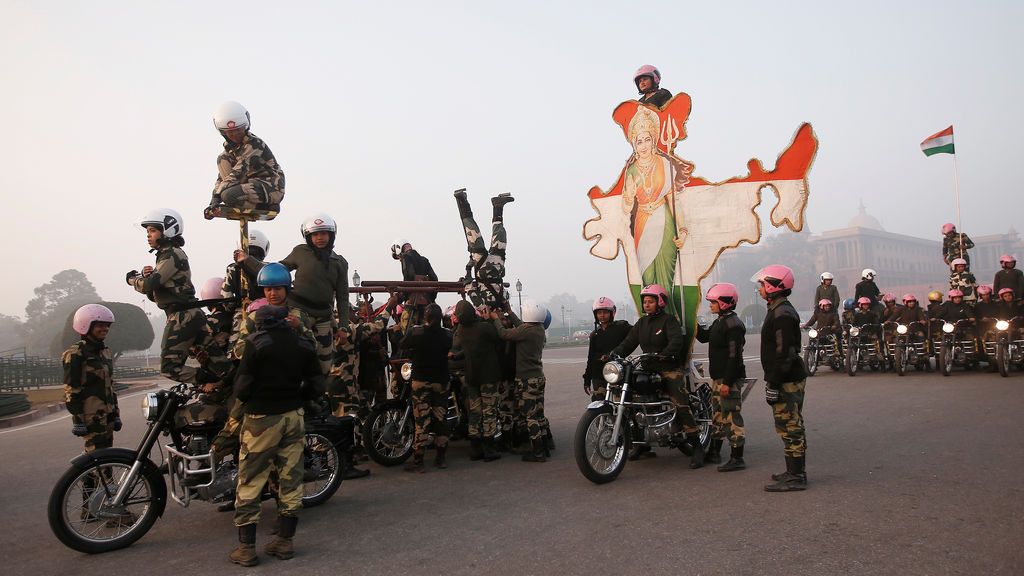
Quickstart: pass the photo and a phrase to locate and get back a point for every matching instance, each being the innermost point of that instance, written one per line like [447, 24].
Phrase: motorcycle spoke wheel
[599, 455]
[322, 469]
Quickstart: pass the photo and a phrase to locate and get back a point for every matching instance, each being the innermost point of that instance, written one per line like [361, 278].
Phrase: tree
[131, 331]
[12, 332]
[65, 286]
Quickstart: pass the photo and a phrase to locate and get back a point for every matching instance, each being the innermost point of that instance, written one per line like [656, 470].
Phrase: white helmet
[827, 276]
[868, 274]
[318, 223]
[397, 245]
[957, 262]
[260, 240]
[212, 289]
[533, 312]
[231, 115]
[86, 315]
[167, 220]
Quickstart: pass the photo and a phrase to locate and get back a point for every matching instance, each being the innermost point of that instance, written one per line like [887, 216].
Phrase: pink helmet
[889, 297]
[1008, 259]
[957, 262]
[864, 300]
[1005, 291]
[646, 70]
[824, 302]
[604, 303]
[948, 227]
[658, 292]
[399, 309]
[776, 278]
[954, 293]
[211, 289]
[909, 298]
[723, 293]
[86, 315]
[984, 289]
[257, 304]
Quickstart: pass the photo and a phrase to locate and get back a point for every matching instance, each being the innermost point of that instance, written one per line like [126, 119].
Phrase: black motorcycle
[1003, 342]
[958, 346]
[110, 498]
[822, 348]
[635, 412]
[862, 346]
[910, 347]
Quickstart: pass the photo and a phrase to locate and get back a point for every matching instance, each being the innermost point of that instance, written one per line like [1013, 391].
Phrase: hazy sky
[378, 111]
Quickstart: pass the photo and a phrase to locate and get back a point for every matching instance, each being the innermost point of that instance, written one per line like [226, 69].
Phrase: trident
[669, 134]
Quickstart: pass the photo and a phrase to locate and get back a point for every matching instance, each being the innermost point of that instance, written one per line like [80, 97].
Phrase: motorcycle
[1004, 344]
[909, 349]
[636, 413]
[861, 351]
[390, 428]
[110, 498]
[958, 346]
[822, 348]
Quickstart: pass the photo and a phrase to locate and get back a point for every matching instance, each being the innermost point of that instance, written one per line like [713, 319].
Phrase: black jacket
[951, 311]
[658, 98]
[417, 267]
[780, 344]
[1011, 278]
[479, 346]
[430, 346]
[908, 315]
[278, 371]
[725, 338]
[602, 342]
[988, 310]
[822, 320]
[867, 288]
[657, 333]
[862, 318]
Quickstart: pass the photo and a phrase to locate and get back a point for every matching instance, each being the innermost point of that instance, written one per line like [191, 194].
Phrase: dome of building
[865, 220]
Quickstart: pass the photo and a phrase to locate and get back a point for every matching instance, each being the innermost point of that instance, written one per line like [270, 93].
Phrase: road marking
[59, 418]
[554, 361]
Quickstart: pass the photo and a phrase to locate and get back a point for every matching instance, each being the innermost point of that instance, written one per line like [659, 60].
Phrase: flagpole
[956, 183]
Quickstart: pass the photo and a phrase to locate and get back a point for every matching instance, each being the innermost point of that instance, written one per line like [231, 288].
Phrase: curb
[43, 411]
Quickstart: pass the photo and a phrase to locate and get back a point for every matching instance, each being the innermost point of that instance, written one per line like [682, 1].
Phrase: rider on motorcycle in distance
[824, 319]
[865, 316]
[658, 332]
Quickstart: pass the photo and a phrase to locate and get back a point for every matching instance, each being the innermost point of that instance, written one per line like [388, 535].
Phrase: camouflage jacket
[345, 363]
[232, 285]
[248, 326]
[250, 160]
[964, 282]
[951, 246]
[171, 280]
[88, 382]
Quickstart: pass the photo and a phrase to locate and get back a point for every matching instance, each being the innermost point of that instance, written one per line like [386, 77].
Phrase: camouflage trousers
[97, 440]
[429, 409]
[226, 441]
[489, 264]
[530, 407]
[270, 442]
[251, 195]
[789, 419]
[675, 385]
[482, 406]
[324, 333]
[727, 422]
[184, 330]
[506, 405]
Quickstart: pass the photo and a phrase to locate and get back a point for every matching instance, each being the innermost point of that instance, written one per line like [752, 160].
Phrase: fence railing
[22, 373]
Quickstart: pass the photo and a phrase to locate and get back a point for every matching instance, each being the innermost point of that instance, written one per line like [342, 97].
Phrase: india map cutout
[672, 225]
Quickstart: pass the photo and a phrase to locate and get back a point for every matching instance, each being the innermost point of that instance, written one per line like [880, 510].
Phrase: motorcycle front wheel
[387, 440]
[811, 360]
[323, 472]
[900, 360]
[600, 457]
[946, 359]
[852, 361]
[1003, 357]
[79, 509]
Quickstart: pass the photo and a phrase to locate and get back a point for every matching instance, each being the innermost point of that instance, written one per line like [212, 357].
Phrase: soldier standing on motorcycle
[867, 287]
[784, 373]
[608, 333]
[1009, 307]
[658, 332]
[962, 280]
[279, 370]
[88, 379]
[725, 339]
[1009, 276]
[827, 291]
[429, 345]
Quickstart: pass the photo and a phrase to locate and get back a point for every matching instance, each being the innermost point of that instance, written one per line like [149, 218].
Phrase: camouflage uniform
[482, 405]
[89, 391]
[248, 175]
[964, 282]
[784, 372]
[430, 409]
[343, 377]
[951, 249]
[270, 443]
[728, 421]
[489, 264]
[170, 286]
[529, 410]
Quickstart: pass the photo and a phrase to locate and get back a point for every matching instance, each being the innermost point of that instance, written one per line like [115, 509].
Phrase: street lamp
[355, 278]
[519, 289]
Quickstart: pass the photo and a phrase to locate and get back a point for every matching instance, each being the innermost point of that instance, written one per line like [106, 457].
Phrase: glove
[117, 424]
[128, 277]
[771, 395]
[79, 430]
[312, 408]
[586, 386]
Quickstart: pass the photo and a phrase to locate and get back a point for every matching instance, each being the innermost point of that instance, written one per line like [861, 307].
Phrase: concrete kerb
[48, 409]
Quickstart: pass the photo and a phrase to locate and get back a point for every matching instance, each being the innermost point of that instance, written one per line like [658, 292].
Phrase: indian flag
[940, 143]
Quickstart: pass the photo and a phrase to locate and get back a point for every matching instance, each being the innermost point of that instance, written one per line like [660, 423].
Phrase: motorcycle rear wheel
[384, 443]
[324, 467]
[80, 516]
[598, 456]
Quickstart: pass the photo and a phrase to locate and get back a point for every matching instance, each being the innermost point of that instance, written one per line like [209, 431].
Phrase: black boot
[782, 475]
[351, 472]
[416, 463]
[281, 546]
[245, 553]
[714, 453]
[549, 442]
[440, 460]
[697, 458]
[503, 442]
[795, 478]
[536, 454]
[490, 454]
[735, 461]
[464, 209]
[476, 449]
[498, 202]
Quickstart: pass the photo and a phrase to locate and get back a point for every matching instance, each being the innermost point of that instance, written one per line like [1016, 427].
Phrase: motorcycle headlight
[150, 406]
[812, 333]
[901, 329]
[407, 371]
[1002, 325]
[854, 331]
[948, 328]
[612, 372]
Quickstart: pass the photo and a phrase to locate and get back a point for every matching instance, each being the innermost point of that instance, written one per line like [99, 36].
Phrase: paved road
[913, 475]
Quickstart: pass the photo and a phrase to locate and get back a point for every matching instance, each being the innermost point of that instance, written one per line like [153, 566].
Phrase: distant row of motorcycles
[967, 344]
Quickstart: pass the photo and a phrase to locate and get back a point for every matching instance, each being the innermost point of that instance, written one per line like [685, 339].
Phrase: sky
[378, 111]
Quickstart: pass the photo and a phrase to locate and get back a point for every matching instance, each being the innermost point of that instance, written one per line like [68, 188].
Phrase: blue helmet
[547, 319]
[848, 304]
[274, 274]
